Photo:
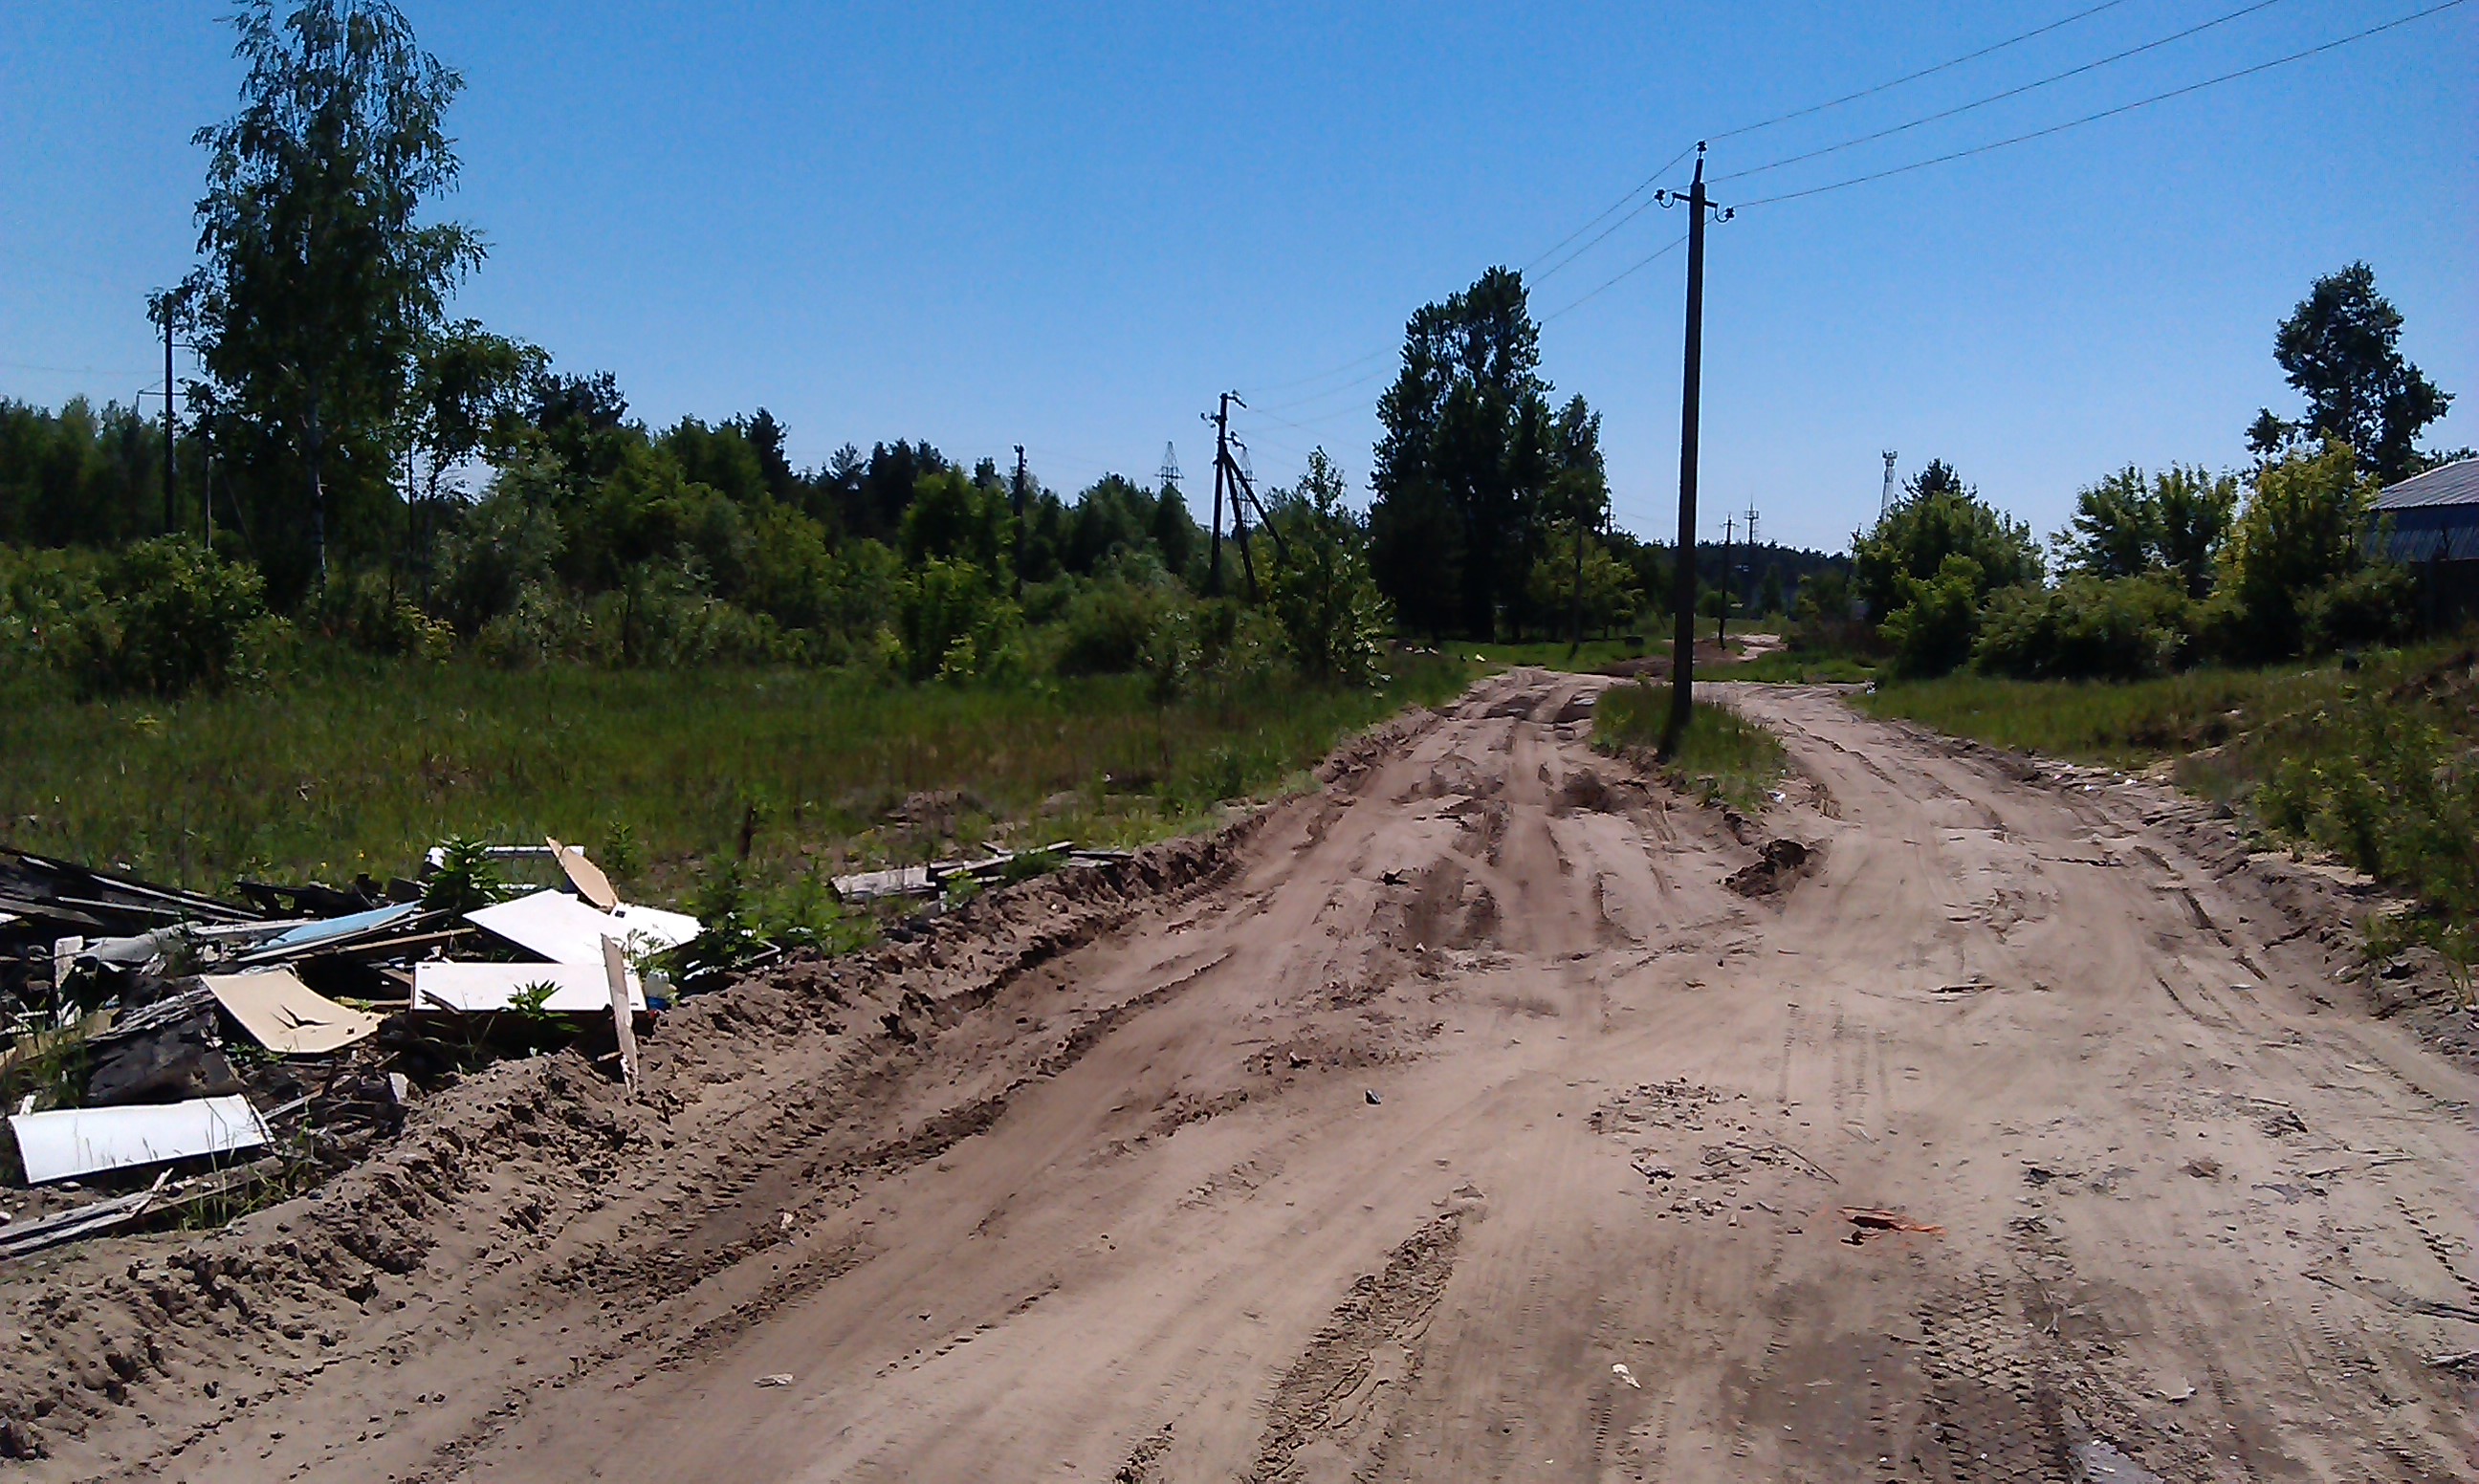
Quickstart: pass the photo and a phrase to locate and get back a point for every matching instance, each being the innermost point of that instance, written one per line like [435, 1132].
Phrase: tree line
[2173, 567]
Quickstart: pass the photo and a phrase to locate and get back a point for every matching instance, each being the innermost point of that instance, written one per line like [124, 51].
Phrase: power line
[1648, 182]
[1999, 97]
[1613, 281]
[1913, 77]
[2107, 113]
[1800, 113]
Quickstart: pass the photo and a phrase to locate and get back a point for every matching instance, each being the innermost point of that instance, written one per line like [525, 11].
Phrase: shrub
[1105, 628]
[1320, 588]
[1931, 633]
[172, 617]
[2086, 628]
[2378, 604]
[2298, 534]
[367, 611]
[953, 624]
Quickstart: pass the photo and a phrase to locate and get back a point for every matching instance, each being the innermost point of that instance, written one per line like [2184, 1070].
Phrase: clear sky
[1071, 227]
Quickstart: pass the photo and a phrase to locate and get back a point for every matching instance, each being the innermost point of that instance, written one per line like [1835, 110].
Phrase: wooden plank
[624, 1025]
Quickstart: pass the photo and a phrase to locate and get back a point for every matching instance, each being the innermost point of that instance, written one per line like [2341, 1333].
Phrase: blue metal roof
[2447, 484]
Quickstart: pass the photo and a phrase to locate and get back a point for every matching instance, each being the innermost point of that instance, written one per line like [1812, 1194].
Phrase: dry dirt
[1369, 1140]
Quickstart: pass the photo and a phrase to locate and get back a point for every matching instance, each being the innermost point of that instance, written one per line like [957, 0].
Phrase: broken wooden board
[287, 1016]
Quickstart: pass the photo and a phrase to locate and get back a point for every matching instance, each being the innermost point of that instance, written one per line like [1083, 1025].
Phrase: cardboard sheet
[567, 931]
[584, 874]
[287, 1016]
[78, 1142]
[478, 989]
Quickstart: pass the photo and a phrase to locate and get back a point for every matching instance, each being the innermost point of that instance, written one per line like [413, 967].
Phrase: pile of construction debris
[179, 1052]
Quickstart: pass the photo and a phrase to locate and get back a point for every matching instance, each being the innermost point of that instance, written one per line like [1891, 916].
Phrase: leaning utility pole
[1220, 418]
[1019, 522]
[1682, 650]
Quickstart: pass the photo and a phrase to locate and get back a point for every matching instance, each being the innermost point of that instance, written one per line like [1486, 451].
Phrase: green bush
[2378, 604]
[2086, 628]
[1107, 627]
[1932, 630]
[172, 617]
[955, 624]
[2299, 534]
[368, 611]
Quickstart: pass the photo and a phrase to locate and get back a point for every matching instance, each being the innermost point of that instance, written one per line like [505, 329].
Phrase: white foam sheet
[478, 989]
[81, 1140]
[567, 931]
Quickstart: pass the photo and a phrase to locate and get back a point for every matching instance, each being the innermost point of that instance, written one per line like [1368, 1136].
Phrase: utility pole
[1885, 499]
[1691, 398]
[1721, 626]
[168, 526]
[1221, 421]
[1019, 522]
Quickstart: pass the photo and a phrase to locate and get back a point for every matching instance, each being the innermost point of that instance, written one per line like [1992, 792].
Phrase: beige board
[287, 1016]
[584, 874]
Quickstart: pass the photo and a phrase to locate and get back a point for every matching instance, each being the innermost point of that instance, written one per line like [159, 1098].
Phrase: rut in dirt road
[1370, 1140]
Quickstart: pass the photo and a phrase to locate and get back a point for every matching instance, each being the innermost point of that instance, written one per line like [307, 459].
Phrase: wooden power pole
[1691, 396]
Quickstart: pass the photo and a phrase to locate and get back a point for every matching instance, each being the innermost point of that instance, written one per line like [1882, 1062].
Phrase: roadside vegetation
[1722, 757]
[353, 765]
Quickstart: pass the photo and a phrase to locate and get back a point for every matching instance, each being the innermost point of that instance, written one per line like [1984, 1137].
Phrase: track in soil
[1368, 1147]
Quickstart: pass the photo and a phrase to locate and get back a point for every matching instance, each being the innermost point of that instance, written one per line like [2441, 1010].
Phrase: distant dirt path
[1123, 1208]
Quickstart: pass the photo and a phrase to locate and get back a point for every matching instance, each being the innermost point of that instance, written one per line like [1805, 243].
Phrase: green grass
[360, 766]
[2131, 724]
[1795, 668]
[1722, 756]
[1551, 654]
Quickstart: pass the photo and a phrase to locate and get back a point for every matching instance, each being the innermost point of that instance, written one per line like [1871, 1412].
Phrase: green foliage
[1722, 758]
[2299, 531]
[2342, 348]
[1609, 591]
[2173, 522]
[1932, 629]
[353, 764]
[2377, 605]
[1108, 627]
[1321, 590]
[466, 878]
[166, 616]
[80, 477]
[956, 623]
[1939, 518]
[320, 282]
[370, 612]
[1471, 450]
[2086, 628]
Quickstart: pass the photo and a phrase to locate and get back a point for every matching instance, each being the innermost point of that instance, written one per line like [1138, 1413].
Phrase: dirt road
[1375, 1141]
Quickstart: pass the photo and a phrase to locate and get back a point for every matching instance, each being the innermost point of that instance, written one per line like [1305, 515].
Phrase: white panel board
[81, 1140]
[566, 931]
[577, 989]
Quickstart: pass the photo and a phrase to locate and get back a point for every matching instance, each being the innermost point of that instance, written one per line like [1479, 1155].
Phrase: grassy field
[363, 764]
[1721, 757]
[2127, 725]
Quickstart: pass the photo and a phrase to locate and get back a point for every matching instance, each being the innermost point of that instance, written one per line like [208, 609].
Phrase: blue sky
[1070, 227]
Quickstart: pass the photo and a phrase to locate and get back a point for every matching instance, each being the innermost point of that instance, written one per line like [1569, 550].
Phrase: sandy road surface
[1121, 1204]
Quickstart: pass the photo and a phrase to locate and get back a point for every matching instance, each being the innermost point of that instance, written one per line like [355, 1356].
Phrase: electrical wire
[2107, 113]
[1650, 180]
[2033, 85]
[1612, 282]
[1913, 77]
[1800, 113]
